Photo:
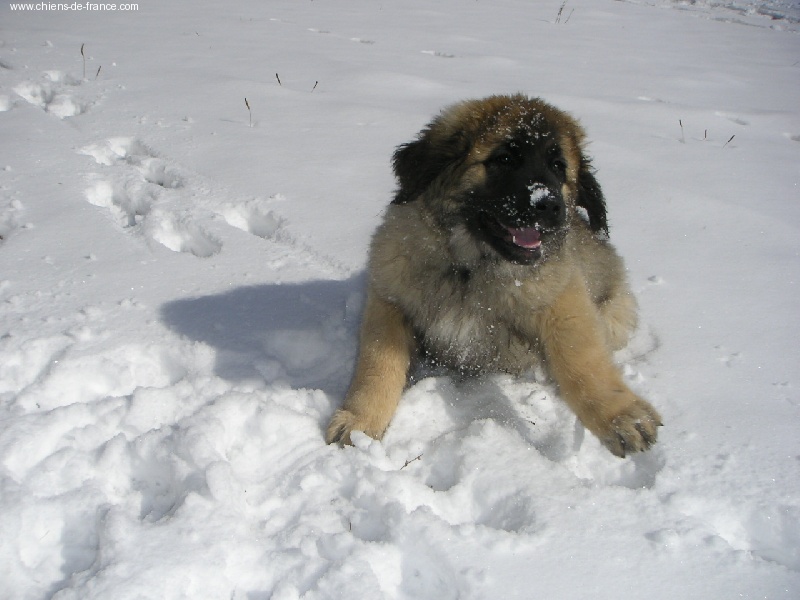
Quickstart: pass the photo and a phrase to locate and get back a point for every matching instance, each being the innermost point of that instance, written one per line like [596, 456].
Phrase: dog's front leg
[386, 342]
[581, 363]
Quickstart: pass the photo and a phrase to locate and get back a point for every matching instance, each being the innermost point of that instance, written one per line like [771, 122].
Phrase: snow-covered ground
[180, 286]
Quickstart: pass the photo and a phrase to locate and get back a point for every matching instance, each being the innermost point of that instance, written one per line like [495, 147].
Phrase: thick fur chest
[476, 317]
[472, 328]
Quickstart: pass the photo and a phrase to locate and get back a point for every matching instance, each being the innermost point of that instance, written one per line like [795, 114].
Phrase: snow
[181, 280]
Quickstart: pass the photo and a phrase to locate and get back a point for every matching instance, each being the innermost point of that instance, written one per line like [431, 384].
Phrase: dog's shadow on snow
[301, 334]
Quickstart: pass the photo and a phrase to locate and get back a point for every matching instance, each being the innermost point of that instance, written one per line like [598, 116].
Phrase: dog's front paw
[634, 429]
[343, 423]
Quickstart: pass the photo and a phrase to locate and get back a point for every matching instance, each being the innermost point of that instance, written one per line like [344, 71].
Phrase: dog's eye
[559, 165]
[503, 158]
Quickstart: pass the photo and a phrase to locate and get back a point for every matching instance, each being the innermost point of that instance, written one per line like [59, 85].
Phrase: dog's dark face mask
[500, 182]
[519, 210]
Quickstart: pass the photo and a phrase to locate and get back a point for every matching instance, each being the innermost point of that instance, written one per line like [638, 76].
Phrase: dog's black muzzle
[520, 226]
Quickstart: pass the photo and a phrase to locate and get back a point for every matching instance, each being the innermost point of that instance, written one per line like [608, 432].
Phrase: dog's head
[506, 172]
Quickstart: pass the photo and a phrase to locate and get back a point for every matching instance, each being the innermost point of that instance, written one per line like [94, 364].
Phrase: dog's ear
[418, 163]
[590, 197]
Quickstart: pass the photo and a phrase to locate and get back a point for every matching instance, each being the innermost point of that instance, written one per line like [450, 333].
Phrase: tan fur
[568, 311]
[383, 361]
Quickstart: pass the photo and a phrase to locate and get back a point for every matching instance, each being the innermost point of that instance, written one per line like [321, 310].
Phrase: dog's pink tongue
[525, 237]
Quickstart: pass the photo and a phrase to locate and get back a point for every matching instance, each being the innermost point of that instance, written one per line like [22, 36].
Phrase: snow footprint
[770, 532]
[253, 218]
[181, 235]
[52, 94]
[128, 203]
[145, 192]
[136, 196]
[138, 155]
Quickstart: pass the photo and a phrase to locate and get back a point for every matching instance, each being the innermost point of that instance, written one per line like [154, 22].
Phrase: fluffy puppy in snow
[494, 257]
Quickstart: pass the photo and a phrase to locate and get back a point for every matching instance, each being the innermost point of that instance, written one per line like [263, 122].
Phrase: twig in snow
[279, 80]
[315, 86]
[84, 61]
[96, 75]
[408, 462]
[561, 12]
[249, 111]
[683, 139]
[729, 140]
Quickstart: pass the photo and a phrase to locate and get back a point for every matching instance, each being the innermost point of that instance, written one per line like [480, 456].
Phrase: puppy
[494, 257]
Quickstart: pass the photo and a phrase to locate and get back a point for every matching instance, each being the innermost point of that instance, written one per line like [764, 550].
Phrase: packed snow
[187, 193]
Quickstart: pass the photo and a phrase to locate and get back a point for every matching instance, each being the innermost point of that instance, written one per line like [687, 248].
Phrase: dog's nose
[549, 210]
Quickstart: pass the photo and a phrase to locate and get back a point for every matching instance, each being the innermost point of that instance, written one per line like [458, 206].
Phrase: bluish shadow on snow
[300, 334]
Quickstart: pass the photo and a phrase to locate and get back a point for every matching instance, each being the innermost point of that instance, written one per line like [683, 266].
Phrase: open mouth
[529, 238]
[519, 244]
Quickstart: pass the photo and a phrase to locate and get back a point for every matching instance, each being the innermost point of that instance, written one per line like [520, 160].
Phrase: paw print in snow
[136, 192]
[54, 94]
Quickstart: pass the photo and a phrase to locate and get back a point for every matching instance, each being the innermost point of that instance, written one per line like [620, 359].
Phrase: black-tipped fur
[590, 197]
[418, 163]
